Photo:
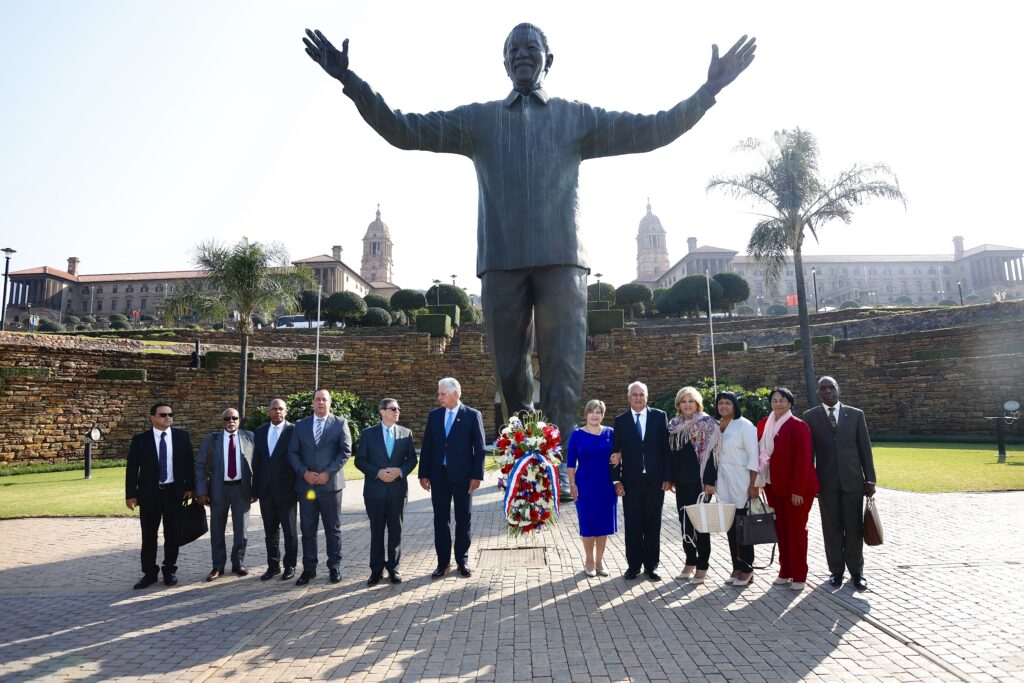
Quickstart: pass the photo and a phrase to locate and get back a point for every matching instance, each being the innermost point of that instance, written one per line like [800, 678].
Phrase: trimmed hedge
[450, 310]
[731, 347]
[324, 357]
[12, 371]
[602, 322]
[932, 354]
[819, 339]
[122, 373]
[436, 324]
[214, 358]
[598, 306]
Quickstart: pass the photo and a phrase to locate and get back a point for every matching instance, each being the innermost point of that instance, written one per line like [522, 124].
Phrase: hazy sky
[132, 130]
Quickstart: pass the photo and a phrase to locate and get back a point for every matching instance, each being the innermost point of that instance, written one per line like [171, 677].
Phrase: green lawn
[948, 467]
[68, 494]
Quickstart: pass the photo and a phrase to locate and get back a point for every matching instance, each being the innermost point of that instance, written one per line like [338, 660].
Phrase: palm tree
[248, 278]
[790, 185]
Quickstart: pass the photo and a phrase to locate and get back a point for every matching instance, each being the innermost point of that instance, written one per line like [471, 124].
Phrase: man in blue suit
[273, 481]
[387, 456]
[451, 468]
[639, 474]
[320, 446]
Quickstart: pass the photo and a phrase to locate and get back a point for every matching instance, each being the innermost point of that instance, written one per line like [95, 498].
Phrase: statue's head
[527, 58]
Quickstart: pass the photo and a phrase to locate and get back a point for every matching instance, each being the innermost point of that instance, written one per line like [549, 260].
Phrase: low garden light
[90, 437]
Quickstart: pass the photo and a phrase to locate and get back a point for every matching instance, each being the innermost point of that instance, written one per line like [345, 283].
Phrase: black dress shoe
[395, 577]
[214, 575]
[835, 580]
[653, 576]
[240, 570]
[170, 579]
[631, 574]
[335, 575]
[374, 579]
[441, 570]
[145, 582]
[860, 583]
[304, 578]
[289, 573]
[270, 573]
[464, 570]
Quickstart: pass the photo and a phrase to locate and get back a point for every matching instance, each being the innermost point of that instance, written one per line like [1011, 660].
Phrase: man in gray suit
[273, 480]
[224, 482]
[320, 446]
[386, 455]
[846, 470]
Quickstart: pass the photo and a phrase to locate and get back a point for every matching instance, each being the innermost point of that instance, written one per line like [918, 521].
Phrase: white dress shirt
[170, 455]
[238, 456]
[643, 421]
[273, 436]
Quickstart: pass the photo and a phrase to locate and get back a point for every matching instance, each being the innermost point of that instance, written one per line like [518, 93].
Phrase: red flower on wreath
[519, 437]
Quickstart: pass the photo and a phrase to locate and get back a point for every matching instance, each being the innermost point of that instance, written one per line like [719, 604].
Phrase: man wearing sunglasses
[224, 482]
[158, 477]
[386, 455]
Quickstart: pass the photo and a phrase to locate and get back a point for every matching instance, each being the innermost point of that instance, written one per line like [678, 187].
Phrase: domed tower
[651, 250]
[377, 264]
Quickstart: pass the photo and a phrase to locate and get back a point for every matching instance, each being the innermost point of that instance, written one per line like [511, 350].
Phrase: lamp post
[437, 288]
[598, 276]
[960, 289]
[3, 302]
[814, 283]
[453, 280]
[28, 307]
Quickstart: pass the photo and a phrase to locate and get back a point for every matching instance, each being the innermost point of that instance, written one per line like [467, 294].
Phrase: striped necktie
[318, 430]
[832, 416]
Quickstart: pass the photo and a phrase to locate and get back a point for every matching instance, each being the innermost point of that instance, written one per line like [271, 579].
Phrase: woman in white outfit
[737, 470]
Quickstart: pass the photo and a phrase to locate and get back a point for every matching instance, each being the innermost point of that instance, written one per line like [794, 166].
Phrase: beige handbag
[710, 517]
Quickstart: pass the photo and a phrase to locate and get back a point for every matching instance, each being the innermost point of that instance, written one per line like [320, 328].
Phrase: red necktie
[232, 467]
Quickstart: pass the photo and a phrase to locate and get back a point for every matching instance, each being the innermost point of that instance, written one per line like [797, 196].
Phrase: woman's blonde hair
[593, 405]
[692, 393]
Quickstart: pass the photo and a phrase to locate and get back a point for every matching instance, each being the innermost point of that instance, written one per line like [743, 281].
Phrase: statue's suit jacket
[329, 456]
[842, 455]
[372, 456]
[213, 447]
[273, 476]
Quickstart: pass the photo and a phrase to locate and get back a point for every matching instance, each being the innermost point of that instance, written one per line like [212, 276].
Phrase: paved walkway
[945, 604]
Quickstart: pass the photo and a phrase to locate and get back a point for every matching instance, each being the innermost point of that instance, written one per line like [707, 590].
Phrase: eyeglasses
[231, 419]
[393, 408]
[165, 414]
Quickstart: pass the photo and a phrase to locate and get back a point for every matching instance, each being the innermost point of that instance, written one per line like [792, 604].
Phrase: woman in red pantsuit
[790, 482]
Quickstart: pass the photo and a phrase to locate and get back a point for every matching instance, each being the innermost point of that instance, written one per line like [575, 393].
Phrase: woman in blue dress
[590, 484]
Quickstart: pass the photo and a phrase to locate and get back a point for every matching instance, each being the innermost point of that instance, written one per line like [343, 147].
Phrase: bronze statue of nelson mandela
[527, 150]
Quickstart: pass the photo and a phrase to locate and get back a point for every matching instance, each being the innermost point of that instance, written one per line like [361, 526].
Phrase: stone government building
[53, 292]
[926, 278]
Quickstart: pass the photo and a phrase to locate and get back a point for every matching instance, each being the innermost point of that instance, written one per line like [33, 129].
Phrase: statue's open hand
[321, 51]
[724, 70]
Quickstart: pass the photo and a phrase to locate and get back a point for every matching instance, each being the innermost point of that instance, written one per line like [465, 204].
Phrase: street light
[814, 283]
[3, 302]
[960, 289]
[437, 288]
[875, 295]
[453, 280]
[598, 276]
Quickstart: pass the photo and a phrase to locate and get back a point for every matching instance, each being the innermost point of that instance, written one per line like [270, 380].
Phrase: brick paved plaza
[944, 604]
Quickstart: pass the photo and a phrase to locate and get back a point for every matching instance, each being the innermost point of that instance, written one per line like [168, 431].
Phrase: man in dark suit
[846, 470]
[451, 468]
[273, 480]
[319, 448]
[158, 477]
[224, 482]
[641, 475]
[386, 455]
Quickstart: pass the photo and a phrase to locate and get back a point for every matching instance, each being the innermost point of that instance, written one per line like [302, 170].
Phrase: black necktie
[164, 474]
[832, 417]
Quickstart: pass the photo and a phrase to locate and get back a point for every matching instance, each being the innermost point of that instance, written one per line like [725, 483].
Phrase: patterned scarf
[701, 430]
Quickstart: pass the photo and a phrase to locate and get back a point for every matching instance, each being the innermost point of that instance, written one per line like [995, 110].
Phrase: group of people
[296, 472]
[791, 460]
